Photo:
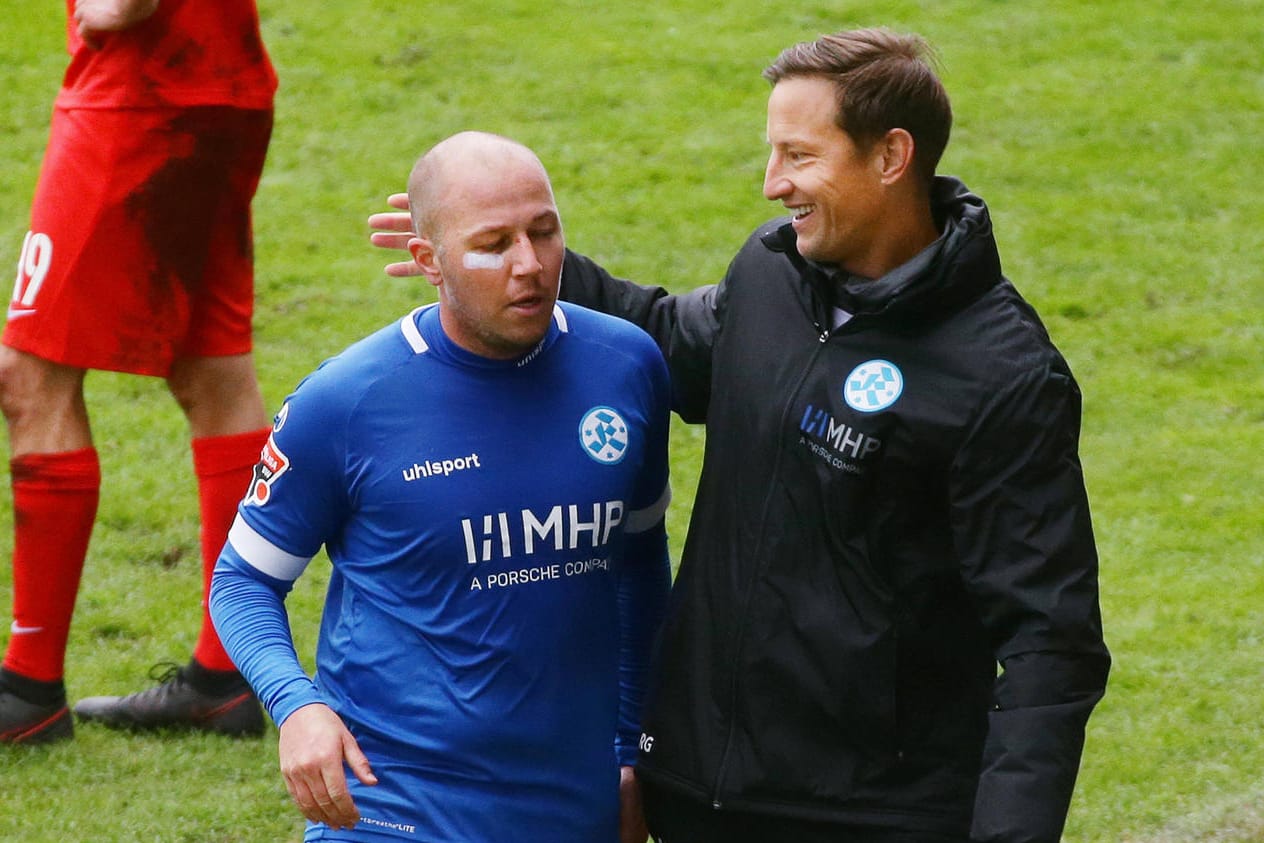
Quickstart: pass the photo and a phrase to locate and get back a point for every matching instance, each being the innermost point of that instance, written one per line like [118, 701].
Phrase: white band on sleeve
[640, 520]
[263, 555]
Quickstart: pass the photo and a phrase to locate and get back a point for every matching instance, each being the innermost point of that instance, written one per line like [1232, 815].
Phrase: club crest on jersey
[272, 464]
[873, 386]
[603, 434]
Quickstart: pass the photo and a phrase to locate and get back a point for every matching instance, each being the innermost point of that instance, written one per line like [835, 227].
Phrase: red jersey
[189, 53]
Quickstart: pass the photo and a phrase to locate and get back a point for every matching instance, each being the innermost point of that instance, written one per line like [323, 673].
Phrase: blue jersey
[499, 567]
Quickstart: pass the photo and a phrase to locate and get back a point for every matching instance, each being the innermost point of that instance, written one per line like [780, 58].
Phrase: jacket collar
[949, 273]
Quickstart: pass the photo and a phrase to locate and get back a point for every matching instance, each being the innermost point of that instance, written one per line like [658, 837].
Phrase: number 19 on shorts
[33, 266]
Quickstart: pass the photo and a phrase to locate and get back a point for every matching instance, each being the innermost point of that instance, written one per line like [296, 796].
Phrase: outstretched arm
[685, 326]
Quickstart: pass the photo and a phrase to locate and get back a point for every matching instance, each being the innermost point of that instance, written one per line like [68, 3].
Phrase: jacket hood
[954, 270]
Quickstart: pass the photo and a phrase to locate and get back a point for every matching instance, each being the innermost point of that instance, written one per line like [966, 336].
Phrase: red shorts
[140, 249]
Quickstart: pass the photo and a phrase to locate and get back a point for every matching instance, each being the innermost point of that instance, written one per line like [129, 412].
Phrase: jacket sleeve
[685, 326]
[1022, 527]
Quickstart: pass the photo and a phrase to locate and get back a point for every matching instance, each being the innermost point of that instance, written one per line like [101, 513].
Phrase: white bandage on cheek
[483, 260]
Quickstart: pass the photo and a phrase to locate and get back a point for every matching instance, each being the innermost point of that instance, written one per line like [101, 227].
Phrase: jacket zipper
[716, 802]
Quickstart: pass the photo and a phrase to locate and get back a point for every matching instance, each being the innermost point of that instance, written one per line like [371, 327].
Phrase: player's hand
[393, 230]
[632, 828]
[99, 16]
[313, 745]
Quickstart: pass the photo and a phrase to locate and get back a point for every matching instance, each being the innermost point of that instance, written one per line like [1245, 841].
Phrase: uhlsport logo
[603, 435]
[872, 386]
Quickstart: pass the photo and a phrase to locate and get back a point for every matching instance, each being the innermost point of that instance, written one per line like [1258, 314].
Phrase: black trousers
[674, 818]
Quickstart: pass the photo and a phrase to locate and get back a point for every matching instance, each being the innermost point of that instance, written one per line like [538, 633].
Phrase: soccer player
[138, 260]
[489, 478]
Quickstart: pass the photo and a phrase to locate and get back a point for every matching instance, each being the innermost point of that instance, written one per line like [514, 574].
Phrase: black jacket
[887, 510]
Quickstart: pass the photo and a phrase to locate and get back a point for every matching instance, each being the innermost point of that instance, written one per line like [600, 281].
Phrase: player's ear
[426, 255]
[896, 155]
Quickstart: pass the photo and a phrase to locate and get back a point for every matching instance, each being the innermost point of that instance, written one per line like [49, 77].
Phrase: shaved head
[462, 154]
[489, 238]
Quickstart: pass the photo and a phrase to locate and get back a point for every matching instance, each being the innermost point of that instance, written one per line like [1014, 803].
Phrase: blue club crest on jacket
[873, 385]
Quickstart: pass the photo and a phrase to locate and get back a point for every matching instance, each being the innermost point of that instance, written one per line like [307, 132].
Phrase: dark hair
[885, 80]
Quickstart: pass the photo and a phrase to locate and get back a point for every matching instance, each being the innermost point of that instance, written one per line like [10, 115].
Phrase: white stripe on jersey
[263, 555]
[412, 336]
[640, 520]
[560, 318]
[408, 326]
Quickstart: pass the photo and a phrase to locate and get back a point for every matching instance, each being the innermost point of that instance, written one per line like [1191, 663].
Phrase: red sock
[55, 500]
[224, 466]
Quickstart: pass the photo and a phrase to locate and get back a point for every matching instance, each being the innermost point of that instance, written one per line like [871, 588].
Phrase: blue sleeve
[299, 496]
[248, 609]
[295, 503]
[643, 588]
[645, 577]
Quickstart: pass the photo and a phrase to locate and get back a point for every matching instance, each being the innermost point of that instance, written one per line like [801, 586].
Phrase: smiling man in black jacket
[886, 625]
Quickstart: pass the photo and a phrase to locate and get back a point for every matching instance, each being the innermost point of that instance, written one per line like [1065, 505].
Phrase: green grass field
[1118, 145]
